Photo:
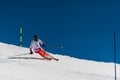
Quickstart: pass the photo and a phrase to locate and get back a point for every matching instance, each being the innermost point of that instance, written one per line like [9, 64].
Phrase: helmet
[35, 36]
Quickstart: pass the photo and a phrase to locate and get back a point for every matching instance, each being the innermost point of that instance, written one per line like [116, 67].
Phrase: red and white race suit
[35, 48]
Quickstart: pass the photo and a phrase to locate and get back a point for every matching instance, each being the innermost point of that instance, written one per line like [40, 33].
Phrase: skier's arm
[31, 46]
[42, 43]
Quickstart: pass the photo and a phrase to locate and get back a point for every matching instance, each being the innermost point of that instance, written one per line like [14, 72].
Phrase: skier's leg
[43, 54]
[46, 55]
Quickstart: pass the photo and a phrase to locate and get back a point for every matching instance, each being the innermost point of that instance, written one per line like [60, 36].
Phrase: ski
[49, 59]
[15, 57]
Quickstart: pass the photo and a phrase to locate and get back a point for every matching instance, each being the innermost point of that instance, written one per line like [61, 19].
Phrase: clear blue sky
[83, 27]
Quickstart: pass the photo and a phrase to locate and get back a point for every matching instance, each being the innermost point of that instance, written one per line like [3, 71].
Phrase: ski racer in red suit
[36, 48]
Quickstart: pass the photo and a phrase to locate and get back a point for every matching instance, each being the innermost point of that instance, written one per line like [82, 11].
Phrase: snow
[67, 68]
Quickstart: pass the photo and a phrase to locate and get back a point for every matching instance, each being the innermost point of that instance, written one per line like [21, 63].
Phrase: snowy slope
[66, 69]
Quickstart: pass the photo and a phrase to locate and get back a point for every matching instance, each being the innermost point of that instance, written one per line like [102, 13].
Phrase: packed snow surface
[67, 68]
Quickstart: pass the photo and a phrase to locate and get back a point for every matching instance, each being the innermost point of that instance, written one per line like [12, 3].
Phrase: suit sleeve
[31, 44]
[41, 42]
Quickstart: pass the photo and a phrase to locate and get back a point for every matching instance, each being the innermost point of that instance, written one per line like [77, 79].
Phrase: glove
[43, 45]
[31, 52]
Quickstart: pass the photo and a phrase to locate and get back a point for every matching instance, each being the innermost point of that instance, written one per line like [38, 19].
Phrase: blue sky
[83, 27]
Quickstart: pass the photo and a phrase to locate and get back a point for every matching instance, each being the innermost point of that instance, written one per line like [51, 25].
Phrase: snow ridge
[66, 69]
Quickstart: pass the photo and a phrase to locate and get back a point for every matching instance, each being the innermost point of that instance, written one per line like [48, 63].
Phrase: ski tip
[50, 59]
[56, 59]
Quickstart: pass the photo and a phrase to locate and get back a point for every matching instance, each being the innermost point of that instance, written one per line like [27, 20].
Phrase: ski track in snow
[25, 68]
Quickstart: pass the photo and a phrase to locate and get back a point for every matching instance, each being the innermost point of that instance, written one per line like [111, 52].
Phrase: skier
[36, 48]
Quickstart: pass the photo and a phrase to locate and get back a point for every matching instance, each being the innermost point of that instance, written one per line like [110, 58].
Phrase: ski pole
[21, 54]
[55, 47]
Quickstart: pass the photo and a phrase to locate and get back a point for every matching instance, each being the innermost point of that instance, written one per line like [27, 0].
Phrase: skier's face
[35, 38]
